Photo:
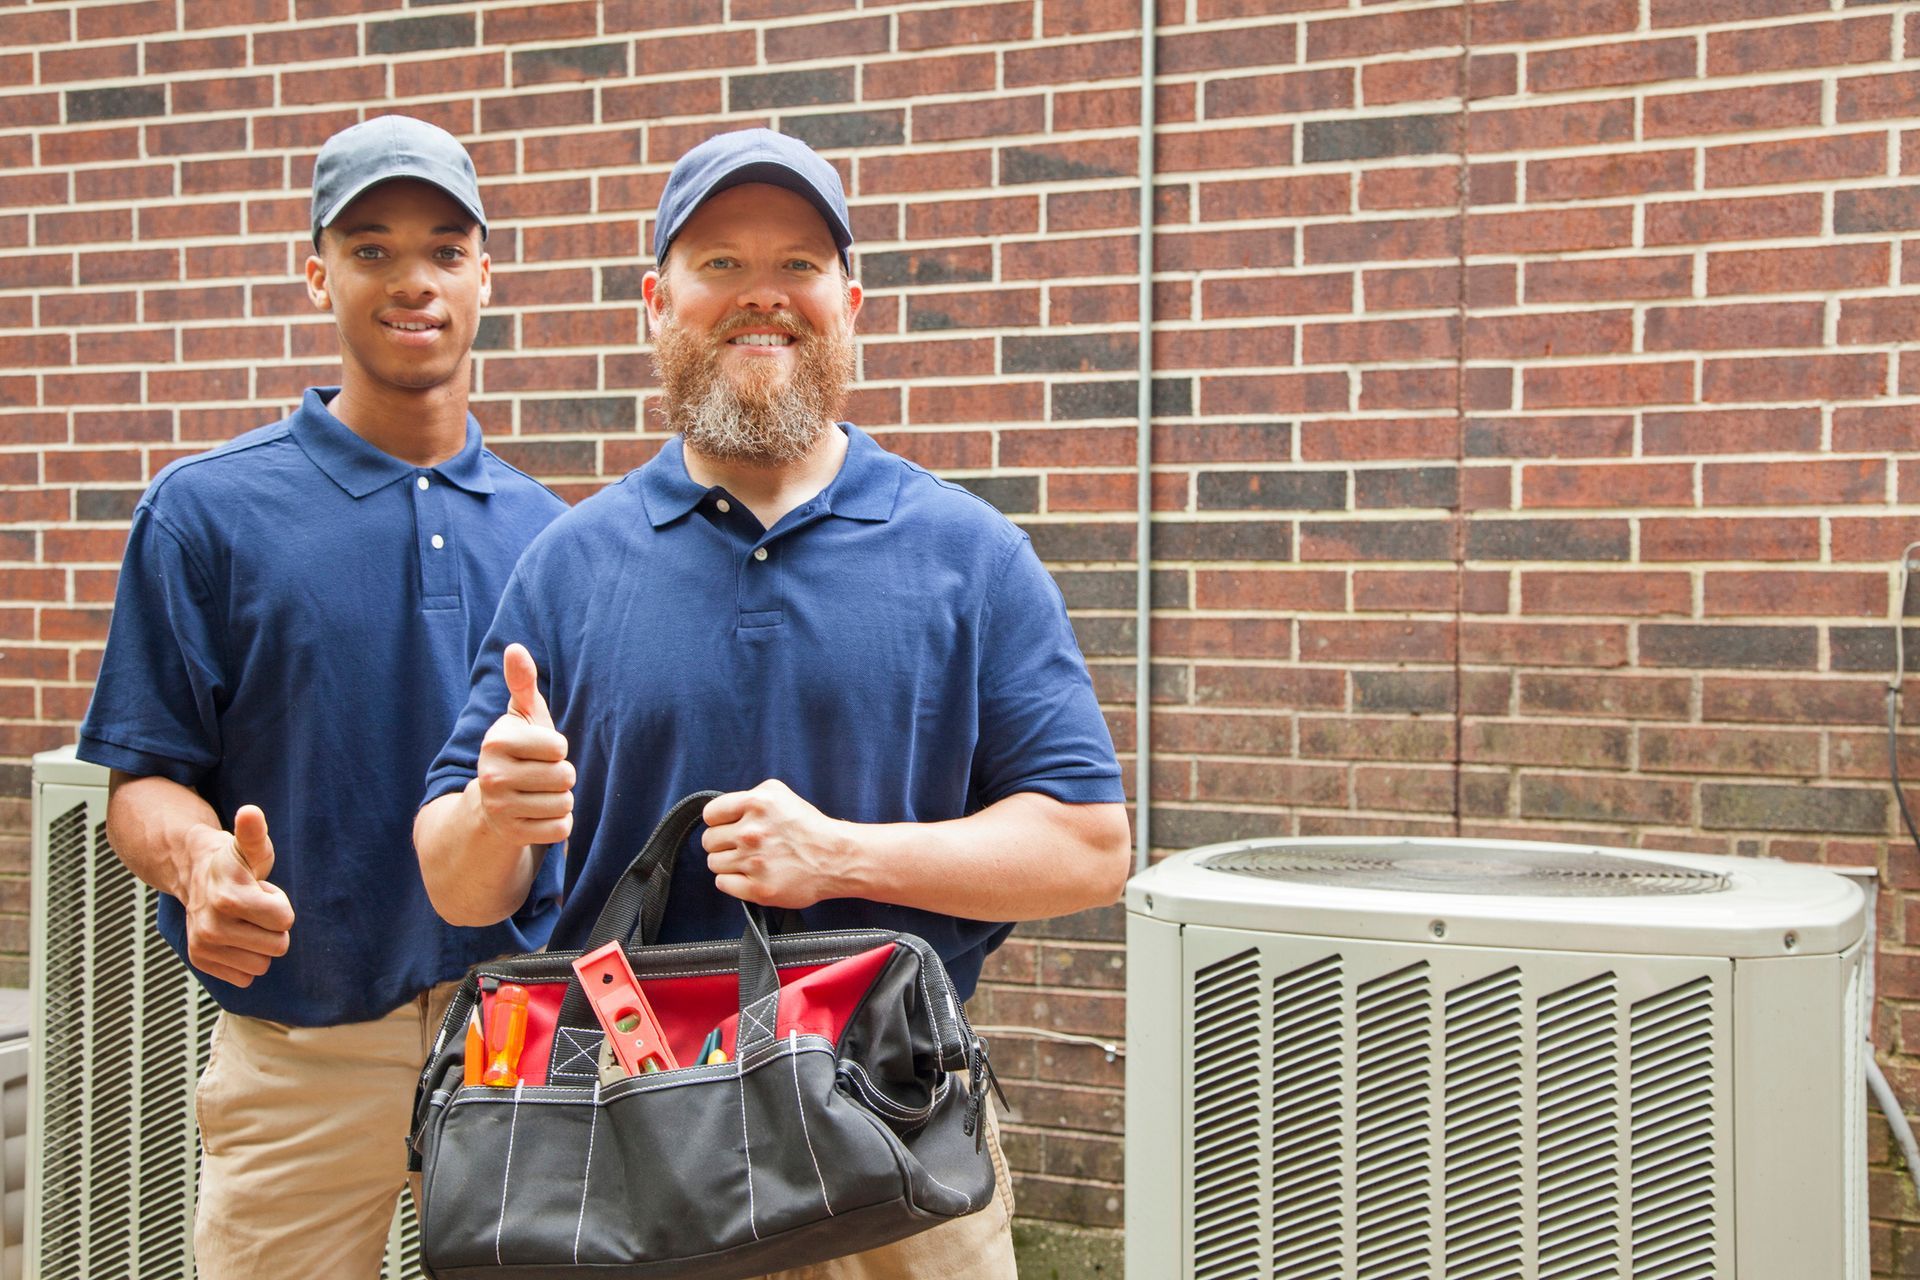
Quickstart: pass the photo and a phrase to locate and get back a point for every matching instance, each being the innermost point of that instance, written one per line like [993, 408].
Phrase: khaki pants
[976, 1247]
[304, 1131]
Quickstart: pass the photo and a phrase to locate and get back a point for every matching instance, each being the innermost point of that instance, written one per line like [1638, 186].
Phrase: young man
[295, 619]
[872, 662]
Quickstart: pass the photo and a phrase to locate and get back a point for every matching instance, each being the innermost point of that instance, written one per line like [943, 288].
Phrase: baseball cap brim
[776, 174]
[399, 173]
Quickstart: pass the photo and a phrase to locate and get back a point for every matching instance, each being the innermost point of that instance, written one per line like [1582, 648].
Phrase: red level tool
[623, 1011]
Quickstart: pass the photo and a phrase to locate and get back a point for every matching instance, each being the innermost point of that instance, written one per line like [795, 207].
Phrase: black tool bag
[839, 1123]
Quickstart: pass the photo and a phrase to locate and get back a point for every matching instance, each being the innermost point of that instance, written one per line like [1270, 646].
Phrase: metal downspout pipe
[1143, 601]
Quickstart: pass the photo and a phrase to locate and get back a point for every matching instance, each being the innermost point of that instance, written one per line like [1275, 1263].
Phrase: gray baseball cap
[750, 155]
[362, 156]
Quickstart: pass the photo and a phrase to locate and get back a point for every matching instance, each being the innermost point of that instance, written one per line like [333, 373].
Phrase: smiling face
[753, 319]
[405, 274]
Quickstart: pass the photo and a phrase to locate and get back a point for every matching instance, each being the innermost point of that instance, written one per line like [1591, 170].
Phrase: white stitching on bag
[506, 1172]
[748, 1144]
[793, 1057]
[586, 1176]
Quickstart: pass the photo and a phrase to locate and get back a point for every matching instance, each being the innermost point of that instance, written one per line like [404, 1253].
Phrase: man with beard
[292, 632]
[871, 662]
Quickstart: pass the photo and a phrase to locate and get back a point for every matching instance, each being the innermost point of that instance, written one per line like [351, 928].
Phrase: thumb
[523, 686]
[251, 842]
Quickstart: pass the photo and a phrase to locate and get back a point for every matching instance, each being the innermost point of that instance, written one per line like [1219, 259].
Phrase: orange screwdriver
[506, 1036]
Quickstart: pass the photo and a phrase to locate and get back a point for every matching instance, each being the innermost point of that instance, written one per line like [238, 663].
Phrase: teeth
[407, 328]
[763, 340]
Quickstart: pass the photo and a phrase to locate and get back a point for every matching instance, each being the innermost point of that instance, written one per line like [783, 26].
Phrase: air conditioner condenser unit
[1359, 1059]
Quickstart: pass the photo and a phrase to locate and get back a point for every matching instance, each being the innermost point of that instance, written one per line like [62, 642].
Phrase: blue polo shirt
[892, 650]
[296, 615]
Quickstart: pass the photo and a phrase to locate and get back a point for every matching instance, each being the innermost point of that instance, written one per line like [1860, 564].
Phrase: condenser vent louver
[1389, 1083]
[121, 1033]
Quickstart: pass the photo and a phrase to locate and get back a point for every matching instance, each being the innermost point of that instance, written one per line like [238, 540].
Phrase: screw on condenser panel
[1438, 928]
[1792, 940]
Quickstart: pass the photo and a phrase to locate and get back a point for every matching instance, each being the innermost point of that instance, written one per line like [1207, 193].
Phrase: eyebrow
[377, 228]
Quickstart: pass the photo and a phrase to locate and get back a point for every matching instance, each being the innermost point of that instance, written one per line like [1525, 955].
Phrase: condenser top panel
[1508, 893]
[1543, 872]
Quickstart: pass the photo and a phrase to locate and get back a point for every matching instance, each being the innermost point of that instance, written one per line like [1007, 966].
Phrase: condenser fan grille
[1485, 870]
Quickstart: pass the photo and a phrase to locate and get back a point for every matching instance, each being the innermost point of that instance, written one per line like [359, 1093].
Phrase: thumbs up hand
[237, 923]
[524, 782]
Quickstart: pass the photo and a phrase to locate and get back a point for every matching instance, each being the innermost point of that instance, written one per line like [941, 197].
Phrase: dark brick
[1369, 139]
[1745, 648]
[1877, 209]
[1870, 648]
[1069, 353]
[1380, 488]
[1272, 491]
[1403, 692]
[576, 62]
[848, 128]
[1216, 540]
[1008, 494]
[411, 35]
[1754, 806]
[970, 263]
[621, 283]
[1059, 164]
[1547, 540]
[1074, 401]
[1105, 540]
[1115, 589]
[1376, 540]
[1602, 799]
[105, 504]
[578, 413]
[494, 334]
[789, 89]
[123, 103]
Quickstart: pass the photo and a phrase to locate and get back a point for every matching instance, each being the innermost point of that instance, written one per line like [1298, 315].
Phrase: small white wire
[1108, 1047]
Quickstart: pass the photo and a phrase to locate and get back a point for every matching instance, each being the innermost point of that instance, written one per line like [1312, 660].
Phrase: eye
[720, 264]
[450, 252]
[802, 264]
[369, 252]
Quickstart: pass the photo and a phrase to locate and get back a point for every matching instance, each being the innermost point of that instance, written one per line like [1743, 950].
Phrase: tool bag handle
[638, 903]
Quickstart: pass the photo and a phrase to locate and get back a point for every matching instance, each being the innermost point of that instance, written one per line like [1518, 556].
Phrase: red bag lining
[815, 999]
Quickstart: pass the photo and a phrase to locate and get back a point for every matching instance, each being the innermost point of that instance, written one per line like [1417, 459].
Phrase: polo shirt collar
[360, 468]
[864, 488]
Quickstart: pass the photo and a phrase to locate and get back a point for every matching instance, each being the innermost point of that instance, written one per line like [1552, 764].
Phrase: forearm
[1027, 857]
[473, 877]
[154, 825]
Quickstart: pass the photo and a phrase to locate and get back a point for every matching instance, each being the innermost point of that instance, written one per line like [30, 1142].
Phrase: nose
[762, 291]
[411, 278]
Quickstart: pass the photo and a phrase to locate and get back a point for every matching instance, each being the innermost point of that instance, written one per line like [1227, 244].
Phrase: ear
[317, 291]
[855, 296]
[650, 291]
[486, 279]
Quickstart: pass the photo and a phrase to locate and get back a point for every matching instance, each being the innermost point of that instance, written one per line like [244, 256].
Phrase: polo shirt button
[438, 542]
[759, 553]
[724, 506]
[422, 482]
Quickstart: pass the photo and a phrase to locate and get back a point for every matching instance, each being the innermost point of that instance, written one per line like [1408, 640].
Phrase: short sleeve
[1040, 724]
[156, 704]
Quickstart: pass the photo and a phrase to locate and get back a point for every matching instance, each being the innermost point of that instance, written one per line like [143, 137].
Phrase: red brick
[1875, 429]
[1774, 106]
[991, 403]
[925, 171]
[967, 24]
[1817, 269]
[1273, 295]
[1723, 328]
[1807, 377]
[90, 62]
[1632, 594]
[1427, 288]
[1375, 34]
[1546, 127]
[1608, 485]
[1592, 66]
[1544, 644]
[1273, 393]
[1797, 160]
[1785, 593]
[1879, 97]
[1379, 341]
[1729, 538]
[913, 77]
[1548, 436]
[841, 38]
[1543, 336]
[1243, 45]
[1289, 590]
[1690, 13]
[1597, 177]
[36, 27]
[89, 146]
[1381, 239]
[948, 121]
[336, 84]
[105, 22]
[1800, 44]
[1304, 195]
[1430, 79]
[540, 22]
[1658, 382]
[1759, 430]
[1553, 231]
[1314, 89]
[1217, 148]
[1741, 218]
[1397, 438]
[1803, 482]
[1889, 321]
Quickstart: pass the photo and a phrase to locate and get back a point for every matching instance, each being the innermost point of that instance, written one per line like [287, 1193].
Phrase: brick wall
[1534, 433]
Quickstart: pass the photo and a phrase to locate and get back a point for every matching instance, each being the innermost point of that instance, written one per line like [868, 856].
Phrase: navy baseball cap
[751, 155]
[362, 156]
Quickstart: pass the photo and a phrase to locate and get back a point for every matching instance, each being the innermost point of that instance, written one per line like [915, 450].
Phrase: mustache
[740, 321]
